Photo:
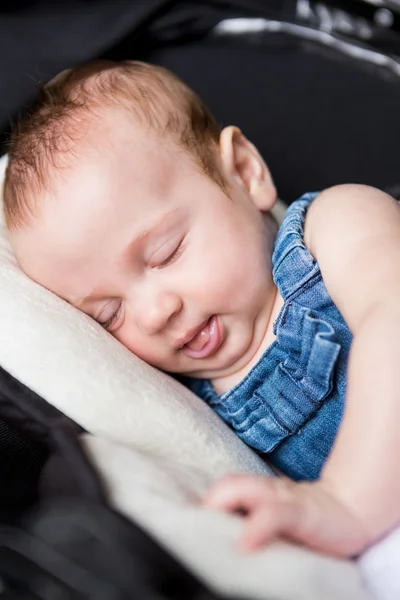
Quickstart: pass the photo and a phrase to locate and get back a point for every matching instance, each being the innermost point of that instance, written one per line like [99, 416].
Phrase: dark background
[318, 117]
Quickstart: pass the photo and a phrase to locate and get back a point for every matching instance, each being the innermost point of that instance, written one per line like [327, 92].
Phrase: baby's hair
[45, 140]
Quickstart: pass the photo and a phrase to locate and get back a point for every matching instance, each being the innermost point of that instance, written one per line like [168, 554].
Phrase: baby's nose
[156, 312]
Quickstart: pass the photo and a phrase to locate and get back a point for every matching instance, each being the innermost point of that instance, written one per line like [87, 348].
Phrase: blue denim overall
[289, 406]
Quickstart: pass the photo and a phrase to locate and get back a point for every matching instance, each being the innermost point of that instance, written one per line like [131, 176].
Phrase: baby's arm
[353, 232]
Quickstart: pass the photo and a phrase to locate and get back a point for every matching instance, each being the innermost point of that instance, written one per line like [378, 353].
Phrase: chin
[231, 362]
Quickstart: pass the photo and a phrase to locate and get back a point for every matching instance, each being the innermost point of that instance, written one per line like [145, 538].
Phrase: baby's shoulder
[337, 210]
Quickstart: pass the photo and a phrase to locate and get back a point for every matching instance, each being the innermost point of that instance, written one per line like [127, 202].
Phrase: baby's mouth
[206, 341]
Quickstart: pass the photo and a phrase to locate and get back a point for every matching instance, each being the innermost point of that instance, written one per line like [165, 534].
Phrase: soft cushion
[165, 498]
[157, 445]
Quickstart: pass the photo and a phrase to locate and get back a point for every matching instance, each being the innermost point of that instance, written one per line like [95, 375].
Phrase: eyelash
[113, 318]
[173, 256]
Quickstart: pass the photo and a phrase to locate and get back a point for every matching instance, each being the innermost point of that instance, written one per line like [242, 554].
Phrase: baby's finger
[234, 493]
[266, 524]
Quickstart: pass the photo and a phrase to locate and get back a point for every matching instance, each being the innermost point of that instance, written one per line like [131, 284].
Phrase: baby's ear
[244, 166]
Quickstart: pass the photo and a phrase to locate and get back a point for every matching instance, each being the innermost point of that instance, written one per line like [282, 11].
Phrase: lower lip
[213, 343]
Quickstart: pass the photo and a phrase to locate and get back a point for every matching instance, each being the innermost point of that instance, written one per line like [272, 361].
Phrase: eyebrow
[136, 243]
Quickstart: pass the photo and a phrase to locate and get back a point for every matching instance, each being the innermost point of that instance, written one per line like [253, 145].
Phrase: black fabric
[23, 445]
[26, 438]
[21, 463]
[87, 551]
[25, 410]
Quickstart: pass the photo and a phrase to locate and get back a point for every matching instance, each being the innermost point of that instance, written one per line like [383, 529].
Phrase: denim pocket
[259, 428]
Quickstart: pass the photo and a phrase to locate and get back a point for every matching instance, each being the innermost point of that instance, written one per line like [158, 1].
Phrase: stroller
[92, 506]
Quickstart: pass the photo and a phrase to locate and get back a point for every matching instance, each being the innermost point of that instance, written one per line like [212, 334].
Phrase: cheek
[234, 270]
[142, 346]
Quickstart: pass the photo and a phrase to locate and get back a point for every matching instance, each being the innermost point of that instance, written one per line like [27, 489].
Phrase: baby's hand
[306, 513]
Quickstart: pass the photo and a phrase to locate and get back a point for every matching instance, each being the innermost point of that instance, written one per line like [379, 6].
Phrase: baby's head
[124, 197]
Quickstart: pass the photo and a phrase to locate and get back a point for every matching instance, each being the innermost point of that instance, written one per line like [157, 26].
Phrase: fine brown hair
[46, 139]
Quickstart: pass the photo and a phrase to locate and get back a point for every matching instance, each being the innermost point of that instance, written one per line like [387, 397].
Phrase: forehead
[123, 167]
[114, 190]
[127, 177]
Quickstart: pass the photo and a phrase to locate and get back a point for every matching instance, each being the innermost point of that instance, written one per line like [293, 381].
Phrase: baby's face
[136, 237]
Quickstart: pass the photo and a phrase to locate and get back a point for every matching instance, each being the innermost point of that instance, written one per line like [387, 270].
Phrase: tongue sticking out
[200, 339]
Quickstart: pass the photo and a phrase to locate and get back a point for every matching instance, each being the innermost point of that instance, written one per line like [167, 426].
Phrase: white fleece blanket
[157, 445]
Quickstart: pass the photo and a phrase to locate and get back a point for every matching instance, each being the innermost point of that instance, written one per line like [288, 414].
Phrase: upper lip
[190, 334]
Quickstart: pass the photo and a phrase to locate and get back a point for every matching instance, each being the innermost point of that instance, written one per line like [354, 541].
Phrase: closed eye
[172, 257]
[113, 318]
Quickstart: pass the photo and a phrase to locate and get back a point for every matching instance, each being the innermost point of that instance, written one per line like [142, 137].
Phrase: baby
[124, 197]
